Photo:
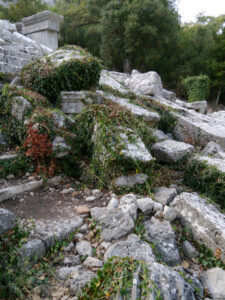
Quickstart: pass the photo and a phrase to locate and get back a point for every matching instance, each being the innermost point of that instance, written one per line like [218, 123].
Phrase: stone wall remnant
[43, 28]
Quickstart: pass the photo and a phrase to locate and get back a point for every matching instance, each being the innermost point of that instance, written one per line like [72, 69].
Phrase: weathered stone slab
[114, 223]
[49, 232]
[130, 181]
[128, 204]
[8, 156]
[75, 102]
[19, 107]
[149, 116]
[162, 235]
[205, 221]
[10, 192]
[133, 247]
[171, 285]
[170, 151]
[7, 220]
[32, 249]
[114, 80]
[165, 195]
[212, 161]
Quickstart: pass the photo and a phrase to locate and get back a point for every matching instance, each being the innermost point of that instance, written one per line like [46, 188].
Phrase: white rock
[19, 107]
[92, 262]
[84, 248]
[60, 147]
[203, 219]
[171, 151]
[147, 205]
[145, 84]
[128, 204]
[214, 281]
[113, 203]
[165, 195]
[130, 181]
[169, 214]
[90, 199]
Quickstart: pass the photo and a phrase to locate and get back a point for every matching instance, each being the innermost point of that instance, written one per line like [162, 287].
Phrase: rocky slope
[143, 217]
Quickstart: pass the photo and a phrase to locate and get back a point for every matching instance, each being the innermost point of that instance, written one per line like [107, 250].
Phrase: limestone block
[43, 27]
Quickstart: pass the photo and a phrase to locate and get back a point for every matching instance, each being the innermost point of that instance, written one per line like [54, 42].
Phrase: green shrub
[14, 130]
[206, 179]
[197, 87]
[49, 77]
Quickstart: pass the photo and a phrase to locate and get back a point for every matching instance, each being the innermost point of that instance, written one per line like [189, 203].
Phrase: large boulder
[145, 83]
[70, 68]
[204, 220]
[171, 151]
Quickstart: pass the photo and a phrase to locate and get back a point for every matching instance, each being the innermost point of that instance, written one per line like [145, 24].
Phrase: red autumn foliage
[39, 147]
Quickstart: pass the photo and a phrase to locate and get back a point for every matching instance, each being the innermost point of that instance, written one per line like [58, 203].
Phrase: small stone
[55, 181]
[21, 200]
[147, 205]
[72, 260]
[67, 191]
[130, 181]
[32, 249]
[169, 214]
[113, 203]
[165, 195]
[10, 176]
[105, 245]
[214, 281]
[84, 228]
[84, 248]
[80, 279]
[96, 193]
[69, 247]
[189, 250]
[90, 199]
[92, 262]
[32, 194]
[128, 204]
[65, 272]
[82, 210]
[78, 236]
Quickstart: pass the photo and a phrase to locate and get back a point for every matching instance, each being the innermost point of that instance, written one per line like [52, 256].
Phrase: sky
[189, 9]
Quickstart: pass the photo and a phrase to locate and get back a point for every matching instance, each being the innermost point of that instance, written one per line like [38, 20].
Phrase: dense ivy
[197, 87]
[75, 74]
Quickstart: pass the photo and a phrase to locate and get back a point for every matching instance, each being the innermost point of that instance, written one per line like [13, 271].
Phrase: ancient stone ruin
[124, 182]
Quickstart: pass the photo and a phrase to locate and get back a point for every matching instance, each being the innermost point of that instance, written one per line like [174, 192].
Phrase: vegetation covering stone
[197, 87]
[70, 68]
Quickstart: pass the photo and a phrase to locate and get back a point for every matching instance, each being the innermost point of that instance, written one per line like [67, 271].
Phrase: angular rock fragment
[162, 235]
[171, 151]
[165, 195]
[204, 220]
[214, 281]
[114, 223]
[133, 247]
[84, 248]
[130, 181]
[7, 220]
[147, 205]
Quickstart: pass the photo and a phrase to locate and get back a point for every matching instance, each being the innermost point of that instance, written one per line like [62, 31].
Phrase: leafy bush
[197, 87]
[207, 180]
[59, 72]
[13, 129]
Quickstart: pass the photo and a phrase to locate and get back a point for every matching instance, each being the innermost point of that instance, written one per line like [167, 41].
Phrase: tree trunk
[127, 65]
[218, 97]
